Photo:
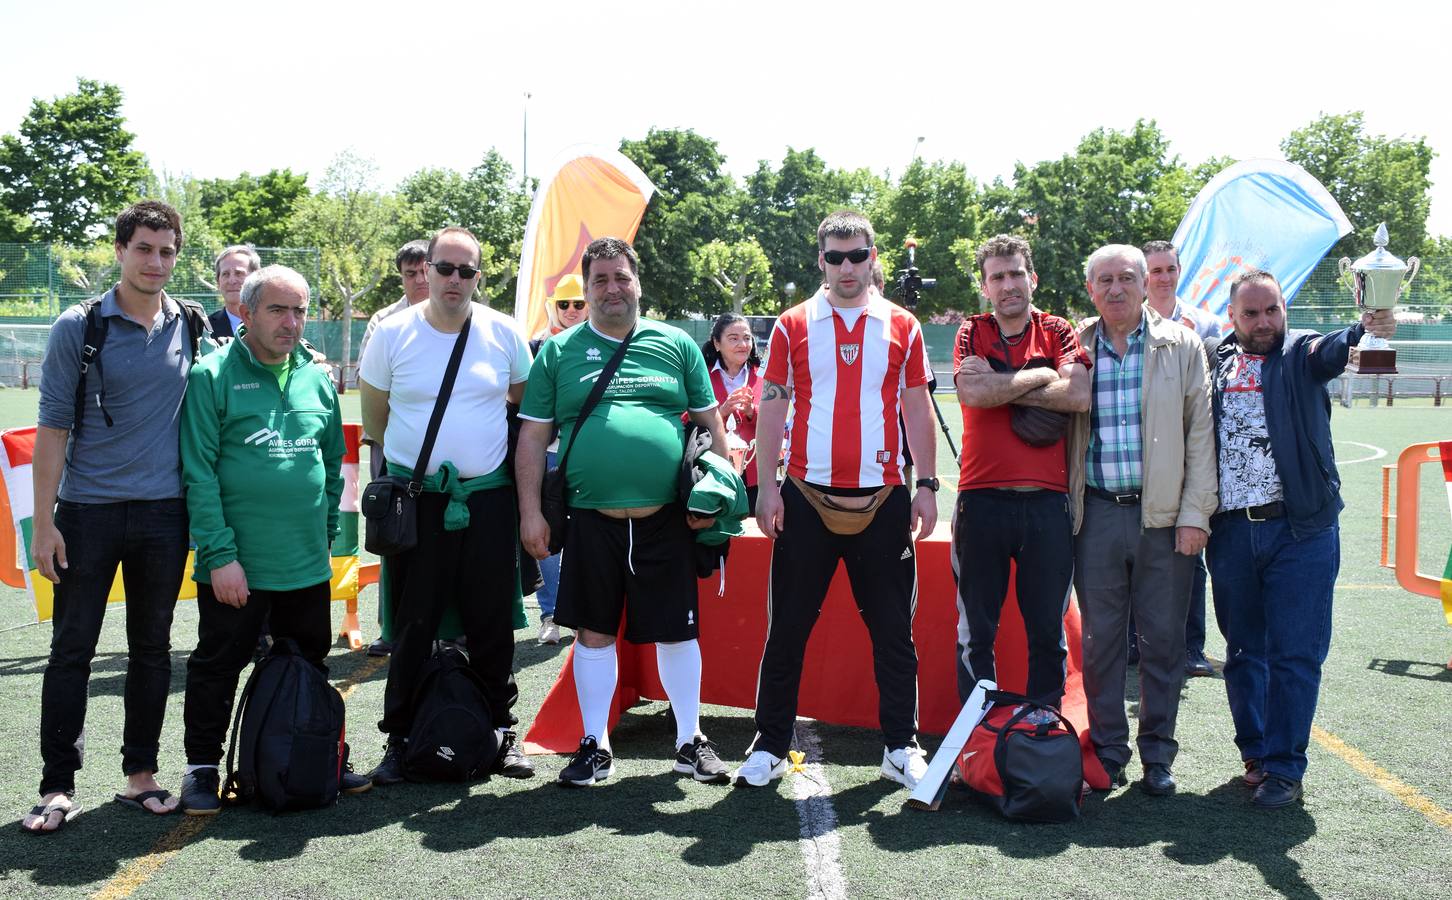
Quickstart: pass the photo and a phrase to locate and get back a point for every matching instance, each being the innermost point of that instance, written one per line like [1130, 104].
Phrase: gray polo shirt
[144, 370]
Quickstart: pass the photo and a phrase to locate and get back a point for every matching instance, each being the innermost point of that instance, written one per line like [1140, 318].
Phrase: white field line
[821, 848]
[1376, 453]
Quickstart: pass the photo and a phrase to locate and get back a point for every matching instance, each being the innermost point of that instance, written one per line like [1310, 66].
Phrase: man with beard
[1275, 545]
[629, 538]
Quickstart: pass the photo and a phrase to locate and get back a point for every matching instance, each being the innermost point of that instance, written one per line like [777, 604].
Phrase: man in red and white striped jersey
[848, 361]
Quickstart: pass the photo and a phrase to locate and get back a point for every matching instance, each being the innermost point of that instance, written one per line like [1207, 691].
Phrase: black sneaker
[350, 782]
[199, 792]
[698, 759]
[589, 765]
[380, 647]
[390, 769]
[511, 761]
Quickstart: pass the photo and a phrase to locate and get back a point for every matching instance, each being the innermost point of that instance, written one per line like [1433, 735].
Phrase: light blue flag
[1257, 214]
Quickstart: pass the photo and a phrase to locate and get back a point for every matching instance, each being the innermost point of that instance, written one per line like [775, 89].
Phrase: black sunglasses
[835, 257]
[565, 304]
[447, 269]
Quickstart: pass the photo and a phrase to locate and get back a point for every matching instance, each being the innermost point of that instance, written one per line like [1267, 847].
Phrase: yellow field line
[124, 883]
[1409, 796]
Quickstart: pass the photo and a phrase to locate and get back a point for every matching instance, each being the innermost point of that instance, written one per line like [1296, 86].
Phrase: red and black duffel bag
[1024, 760]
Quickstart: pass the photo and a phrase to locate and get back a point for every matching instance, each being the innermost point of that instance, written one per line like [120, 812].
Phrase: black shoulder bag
[553, 491]
[390, 504]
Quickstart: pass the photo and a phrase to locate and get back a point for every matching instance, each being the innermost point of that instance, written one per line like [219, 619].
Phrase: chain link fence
[39, 281]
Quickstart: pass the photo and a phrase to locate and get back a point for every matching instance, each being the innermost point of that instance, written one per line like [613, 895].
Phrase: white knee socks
[595, 678]
[680, 675]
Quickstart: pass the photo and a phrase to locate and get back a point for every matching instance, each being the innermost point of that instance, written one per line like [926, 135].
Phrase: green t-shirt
[279, 371]
[629, 451]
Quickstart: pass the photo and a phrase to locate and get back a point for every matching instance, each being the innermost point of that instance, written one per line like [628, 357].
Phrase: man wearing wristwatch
[846, 359]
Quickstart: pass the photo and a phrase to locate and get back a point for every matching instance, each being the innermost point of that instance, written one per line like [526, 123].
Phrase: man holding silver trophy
[1275, 545]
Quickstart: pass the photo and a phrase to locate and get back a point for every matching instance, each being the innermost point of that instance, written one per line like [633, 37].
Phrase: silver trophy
[1376, 281]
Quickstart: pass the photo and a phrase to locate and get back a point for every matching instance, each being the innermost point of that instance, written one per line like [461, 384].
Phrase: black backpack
[453, 737]
[289, 730]
[95, 338]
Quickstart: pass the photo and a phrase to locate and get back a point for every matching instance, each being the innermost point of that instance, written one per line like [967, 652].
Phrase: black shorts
[647, 565]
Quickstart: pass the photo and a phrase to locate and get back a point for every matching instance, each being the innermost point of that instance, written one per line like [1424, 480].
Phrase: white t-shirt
[407, 357]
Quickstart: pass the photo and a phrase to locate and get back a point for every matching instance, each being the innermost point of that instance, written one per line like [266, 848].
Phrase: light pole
[524, 157]
[917, 145]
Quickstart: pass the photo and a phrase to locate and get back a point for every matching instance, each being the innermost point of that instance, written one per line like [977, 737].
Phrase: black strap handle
[415, 484]
[596, 393]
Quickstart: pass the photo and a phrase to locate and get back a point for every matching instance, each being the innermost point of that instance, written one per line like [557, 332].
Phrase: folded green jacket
[721, 493]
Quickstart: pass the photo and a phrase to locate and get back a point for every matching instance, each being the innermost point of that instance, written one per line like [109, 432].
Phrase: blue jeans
[1195, 621]
[1273, 595]
[549, 568]
[148, 539]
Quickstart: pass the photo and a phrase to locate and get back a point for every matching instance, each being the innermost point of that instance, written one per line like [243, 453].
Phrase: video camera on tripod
[911, 283]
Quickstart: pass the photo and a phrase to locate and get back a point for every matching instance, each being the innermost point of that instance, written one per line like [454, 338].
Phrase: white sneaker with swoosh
[905, 765]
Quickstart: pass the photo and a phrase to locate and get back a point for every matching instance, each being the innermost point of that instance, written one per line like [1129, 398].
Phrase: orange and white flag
[589, 193]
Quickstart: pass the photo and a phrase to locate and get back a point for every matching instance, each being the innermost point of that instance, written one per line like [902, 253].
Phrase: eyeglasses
[448, 269]
[563, 305]
[835, 257]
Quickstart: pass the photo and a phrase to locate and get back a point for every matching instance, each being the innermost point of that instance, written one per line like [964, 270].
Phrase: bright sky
[216, 89]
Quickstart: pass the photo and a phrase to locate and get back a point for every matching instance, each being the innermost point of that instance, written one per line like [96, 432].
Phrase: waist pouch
[840, 519]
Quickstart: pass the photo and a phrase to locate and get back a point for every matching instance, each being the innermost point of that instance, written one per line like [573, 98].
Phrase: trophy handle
[1344, 272]
[1414, 265]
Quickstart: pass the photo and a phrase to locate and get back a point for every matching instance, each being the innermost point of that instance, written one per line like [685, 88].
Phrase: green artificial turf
[648, 832]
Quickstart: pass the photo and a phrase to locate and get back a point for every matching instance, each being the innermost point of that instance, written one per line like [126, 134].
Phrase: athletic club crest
[849, 352]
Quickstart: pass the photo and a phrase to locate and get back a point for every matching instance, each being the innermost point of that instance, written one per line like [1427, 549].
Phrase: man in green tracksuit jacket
[262, 455]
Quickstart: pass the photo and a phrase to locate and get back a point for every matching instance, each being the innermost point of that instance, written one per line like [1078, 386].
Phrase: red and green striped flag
[17, 501]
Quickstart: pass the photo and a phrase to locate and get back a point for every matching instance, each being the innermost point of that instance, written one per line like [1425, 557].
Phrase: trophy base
[1372, 362]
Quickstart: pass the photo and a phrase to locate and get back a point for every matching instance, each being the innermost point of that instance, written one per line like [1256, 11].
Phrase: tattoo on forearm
[772, 391]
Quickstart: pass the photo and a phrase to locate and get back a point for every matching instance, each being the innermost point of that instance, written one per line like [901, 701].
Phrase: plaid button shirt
[1114, 461]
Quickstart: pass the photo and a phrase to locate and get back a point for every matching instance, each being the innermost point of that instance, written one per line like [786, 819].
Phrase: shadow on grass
[1195, 829]
[1410, 668]
[717, 835]
[1198, 830]
[96, 845]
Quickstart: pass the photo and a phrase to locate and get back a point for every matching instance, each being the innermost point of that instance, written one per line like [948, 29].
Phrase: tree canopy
[71, 168]
[709, 241]
[1375, 179]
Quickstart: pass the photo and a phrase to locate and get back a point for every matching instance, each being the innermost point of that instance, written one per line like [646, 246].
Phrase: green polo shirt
[629, 450]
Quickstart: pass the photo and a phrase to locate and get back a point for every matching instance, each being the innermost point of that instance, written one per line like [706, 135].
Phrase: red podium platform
[837, 684]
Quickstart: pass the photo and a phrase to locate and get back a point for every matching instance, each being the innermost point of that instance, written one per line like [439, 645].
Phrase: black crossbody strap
[596, 393]
[415, 485]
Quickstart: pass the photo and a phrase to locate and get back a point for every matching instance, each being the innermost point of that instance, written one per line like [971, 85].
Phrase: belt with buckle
[1122, 498]
[1273, 510]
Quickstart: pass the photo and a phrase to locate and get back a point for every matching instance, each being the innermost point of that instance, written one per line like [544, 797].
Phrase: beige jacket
[1178, 430]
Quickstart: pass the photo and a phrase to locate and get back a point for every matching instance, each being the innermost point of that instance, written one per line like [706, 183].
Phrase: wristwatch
[929, 483]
